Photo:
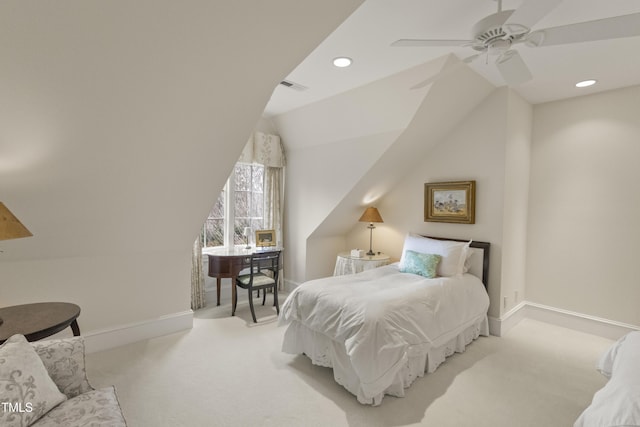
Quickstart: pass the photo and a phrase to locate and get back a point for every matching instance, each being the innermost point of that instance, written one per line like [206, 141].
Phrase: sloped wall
[120, 123]
[330, 145]
[318, 178]
[341, 198]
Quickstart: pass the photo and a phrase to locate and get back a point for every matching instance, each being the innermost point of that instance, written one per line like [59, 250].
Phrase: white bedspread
[383, 317]
[617, 404]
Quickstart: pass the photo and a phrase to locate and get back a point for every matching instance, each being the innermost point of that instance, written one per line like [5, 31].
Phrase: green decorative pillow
[419, 263]
[26, 390]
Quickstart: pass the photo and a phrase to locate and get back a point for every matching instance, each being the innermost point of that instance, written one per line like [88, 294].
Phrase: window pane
[242, 202]
[214, 232]
[238, 231]
[218, 208]
[243, 177]
[214, 225]
[246, 198]
[258, 179]
[257, 224]
[256, 205]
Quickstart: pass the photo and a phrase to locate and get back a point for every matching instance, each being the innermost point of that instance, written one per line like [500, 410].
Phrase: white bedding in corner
[617, 404]
[384, 317]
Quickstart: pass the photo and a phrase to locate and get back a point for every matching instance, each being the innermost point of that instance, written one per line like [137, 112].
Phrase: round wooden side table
[38, 320]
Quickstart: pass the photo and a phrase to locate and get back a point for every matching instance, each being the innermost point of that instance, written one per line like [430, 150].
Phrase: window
[240, 204]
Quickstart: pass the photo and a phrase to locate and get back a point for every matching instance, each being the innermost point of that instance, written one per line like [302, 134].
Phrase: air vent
[293, 85]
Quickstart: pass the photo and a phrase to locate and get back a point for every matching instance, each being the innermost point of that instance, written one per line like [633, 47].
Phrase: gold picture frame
[265, 238]
[453, 202]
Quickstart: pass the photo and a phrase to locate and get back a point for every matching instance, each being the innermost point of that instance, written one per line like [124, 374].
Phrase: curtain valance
[265, 149]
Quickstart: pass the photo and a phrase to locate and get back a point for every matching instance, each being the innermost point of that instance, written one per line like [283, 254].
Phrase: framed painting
[453, 202]
[265, 238]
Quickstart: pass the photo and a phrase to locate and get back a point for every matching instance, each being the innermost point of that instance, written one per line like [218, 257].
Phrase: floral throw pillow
[25, 386]
[419, 263]
[64, 360]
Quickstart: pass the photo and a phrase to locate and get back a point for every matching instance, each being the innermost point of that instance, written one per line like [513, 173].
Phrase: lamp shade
[371, 215]
[10, 226]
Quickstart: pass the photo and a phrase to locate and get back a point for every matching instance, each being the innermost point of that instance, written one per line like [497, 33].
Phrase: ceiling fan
[495, 36]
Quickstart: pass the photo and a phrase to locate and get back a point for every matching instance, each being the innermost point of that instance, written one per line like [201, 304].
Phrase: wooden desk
[39, 320]
[229, 262]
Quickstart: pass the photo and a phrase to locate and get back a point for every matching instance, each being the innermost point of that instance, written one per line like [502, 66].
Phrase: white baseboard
[104, 339]
[606, 328]
[114, 337]
[499, 327]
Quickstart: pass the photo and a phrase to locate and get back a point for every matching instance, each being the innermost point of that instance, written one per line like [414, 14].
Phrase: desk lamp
[11, 227]
[371, 215]
[247, 233]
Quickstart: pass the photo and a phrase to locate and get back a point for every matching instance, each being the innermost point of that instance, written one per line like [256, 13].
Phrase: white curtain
[198, 299]
[274, 207]
[274, 200]
[267, 150]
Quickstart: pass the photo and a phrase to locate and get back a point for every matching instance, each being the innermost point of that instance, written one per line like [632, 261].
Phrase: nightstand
[347, 264]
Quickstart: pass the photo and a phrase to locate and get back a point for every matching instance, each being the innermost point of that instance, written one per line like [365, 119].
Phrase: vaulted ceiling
[366, 37]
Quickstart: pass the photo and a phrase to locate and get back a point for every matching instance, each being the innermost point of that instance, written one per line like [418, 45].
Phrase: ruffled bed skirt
[326, 352]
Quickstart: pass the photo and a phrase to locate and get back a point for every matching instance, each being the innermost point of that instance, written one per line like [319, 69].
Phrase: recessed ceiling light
[585, 83]
[342, 61]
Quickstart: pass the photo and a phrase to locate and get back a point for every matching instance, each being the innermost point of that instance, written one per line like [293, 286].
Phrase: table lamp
[11, 227]
[247, 233]
[371, 215]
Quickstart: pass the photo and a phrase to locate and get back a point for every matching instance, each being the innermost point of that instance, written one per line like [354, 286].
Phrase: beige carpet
[227, 371]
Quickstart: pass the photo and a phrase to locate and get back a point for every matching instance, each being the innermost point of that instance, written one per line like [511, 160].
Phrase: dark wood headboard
[486, 250]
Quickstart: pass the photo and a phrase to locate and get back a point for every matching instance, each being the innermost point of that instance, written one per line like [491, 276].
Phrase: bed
[617, 404]
[381, 329]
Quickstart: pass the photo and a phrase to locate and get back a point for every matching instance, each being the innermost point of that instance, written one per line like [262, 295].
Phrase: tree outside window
[243, 194]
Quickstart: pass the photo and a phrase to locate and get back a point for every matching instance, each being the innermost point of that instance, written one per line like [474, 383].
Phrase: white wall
[519, 123]
[119, 124]
[584, 206]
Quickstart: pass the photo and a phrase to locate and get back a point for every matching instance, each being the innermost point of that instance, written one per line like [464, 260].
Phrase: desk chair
[256, 279]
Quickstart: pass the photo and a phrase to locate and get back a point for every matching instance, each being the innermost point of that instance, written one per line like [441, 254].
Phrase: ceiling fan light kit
[490, 29]
[494, 36]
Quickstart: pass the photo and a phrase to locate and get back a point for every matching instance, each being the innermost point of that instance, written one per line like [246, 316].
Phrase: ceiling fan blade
[512, 68]
[529, 13]
[428, 42]
[600, 29]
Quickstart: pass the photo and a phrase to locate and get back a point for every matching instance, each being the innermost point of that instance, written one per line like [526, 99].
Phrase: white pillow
[26, 385]
[454, 254]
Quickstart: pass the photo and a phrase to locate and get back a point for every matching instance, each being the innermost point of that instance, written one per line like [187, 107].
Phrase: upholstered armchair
[44, 384]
